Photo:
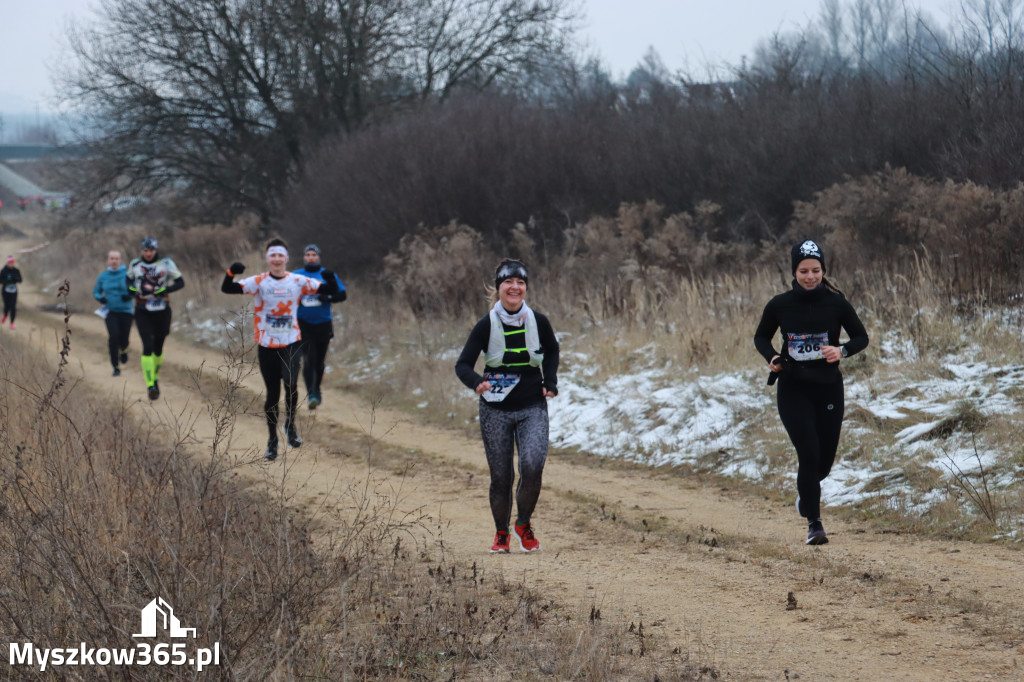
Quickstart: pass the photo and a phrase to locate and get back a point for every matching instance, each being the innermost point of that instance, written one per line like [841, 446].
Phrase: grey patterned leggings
[527, 430]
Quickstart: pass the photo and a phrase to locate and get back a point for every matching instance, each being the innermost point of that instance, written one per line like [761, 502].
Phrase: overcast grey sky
[687, 34]
[693, 33]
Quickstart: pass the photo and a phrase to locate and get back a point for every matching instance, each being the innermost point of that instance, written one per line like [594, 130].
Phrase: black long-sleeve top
[9, 275]
[528, 391]
[806, 318]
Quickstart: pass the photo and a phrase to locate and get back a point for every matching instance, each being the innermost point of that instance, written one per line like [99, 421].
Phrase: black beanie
[805, 250]
[507, 269]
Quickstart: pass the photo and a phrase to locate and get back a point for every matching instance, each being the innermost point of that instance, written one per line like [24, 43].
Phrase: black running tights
[10, 305]
[154, 326]
[813, 417]
[279, 365]
[119, 328]
[315, 340]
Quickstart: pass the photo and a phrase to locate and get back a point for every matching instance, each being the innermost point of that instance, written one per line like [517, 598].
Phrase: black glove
[103, 300]
[236, 268]
[126, 297]
[330, 284]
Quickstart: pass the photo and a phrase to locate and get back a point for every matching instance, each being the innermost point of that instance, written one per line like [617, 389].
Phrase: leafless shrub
[975, 487]
[440, 270]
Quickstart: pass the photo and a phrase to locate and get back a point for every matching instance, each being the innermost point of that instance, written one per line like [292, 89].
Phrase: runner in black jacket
[810, 393]
[520, 374]
[10, 278]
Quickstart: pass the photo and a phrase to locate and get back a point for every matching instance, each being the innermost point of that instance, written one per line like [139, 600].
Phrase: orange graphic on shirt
[283, 308]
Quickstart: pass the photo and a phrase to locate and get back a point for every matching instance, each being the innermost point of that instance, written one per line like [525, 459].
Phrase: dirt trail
[711, 574]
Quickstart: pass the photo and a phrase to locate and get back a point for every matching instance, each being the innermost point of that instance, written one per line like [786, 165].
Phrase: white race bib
[310, 301]
[279, 328]
[156, 304]
[804, 347]
[11, 288]
[501, 386]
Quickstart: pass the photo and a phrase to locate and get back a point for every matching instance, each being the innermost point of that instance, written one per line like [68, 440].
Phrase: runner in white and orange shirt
[278, 293]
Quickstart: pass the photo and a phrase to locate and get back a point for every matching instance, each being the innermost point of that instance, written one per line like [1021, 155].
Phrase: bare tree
[831, 21]
[223, 98]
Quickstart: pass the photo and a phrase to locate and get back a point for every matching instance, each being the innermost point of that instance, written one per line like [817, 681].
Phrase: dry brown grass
[103, 512]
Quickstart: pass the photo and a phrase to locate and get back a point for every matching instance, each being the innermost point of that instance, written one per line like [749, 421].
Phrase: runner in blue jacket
[112, 291]
[316, 326]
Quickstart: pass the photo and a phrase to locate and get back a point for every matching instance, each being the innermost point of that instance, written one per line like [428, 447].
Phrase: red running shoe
[501, 541]
[527, 541]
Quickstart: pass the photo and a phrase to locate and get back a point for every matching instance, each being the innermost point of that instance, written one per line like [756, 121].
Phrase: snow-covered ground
[661, 416]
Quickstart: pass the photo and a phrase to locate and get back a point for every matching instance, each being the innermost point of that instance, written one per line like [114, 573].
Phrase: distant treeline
[864, 88]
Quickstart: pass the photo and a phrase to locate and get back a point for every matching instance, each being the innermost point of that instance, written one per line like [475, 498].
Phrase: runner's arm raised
[328, 290]
[230, 286]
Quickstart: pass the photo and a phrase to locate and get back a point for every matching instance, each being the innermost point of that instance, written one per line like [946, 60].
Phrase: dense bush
[875, 229]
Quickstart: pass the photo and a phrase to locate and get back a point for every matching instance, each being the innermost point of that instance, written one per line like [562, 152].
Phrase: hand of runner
[832, 353]
[776, 364]
[236, 268]
[483, 387]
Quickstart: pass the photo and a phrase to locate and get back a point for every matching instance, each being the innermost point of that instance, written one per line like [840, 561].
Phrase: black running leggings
[813, 417]
[119, 328]
[527, 430]
[277, 365]
[315, 340]
[10, 305]
[154, 326]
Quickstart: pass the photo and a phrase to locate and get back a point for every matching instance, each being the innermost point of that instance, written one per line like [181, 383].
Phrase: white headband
[280, 250]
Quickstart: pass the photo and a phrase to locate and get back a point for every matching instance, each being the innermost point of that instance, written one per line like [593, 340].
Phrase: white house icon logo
[159, 612]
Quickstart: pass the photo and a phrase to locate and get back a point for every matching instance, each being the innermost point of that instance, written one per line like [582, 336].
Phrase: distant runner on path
[316, 325]
[520, 374]
[10, 277]
[150, 279]
[112, 291]
[277, 295]
[810, 393]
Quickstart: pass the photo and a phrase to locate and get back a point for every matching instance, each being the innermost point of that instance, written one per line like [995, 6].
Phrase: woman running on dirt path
[520, 373]
[112, 291]
[150, 279]
[810, 393]
[279, 351]
[10, 277]
[316, 325]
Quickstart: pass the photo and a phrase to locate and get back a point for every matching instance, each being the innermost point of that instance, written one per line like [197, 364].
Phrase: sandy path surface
[707, 570]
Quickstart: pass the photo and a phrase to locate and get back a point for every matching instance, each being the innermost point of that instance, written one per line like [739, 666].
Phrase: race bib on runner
[310, 301]
[804, 347]
[279, 327]
[156, 304]
[11, 288]
[501, 386]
